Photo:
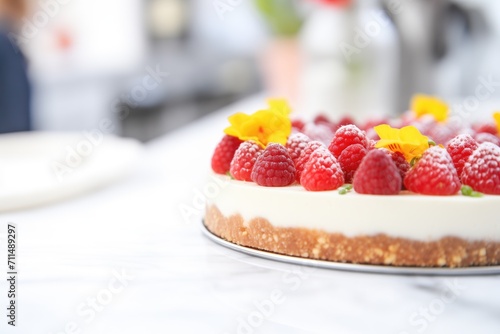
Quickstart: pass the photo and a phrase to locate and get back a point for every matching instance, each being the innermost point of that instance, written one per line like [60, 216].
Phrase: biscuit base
[380, 249]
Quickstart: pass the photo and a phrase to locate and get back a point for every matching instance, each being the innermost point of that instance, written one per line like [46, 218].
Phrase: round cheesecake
[403, 230]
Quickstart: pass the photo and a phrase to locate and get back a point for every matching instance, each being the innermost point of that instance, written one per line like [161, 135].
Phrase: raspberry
[224, 153]
[244, 160]
[460, 149]
[371, 123]
[320, 132]
[482, 170]
[371, 144]
[322, 172]
[442, 133]
[322, 119]
[304, 157]
[400, 162]
[345, 136]
[372, 135]
[433, 174]
[274, 167]
[425, 124]
[377, 175]
[350, 159]
[346, 120]
[298, 124]
[488, 128]
[487, 138]
[296, 143]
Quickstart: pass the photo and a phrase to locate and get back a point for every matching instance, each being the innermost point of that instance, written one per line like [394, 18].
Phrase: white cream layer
[410, 216]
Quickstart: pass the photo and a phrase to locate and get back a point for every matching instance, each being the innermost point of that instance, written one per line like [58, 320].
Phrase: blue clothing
[15, 90]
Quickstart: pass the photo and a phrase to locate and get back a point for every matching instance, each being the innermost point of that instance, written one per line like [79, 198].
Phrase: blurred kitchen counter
[125, 260]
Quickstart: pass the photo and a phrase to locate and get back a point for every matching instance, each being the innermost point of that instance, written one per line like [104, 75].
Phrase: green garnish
[345, 189]
[469, 192]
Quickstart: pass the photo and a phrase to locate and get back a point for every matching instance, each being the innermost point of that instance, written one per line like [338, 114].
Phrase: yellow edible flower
[496, 117]
[266, 126]
[428, 105]
[407, 140]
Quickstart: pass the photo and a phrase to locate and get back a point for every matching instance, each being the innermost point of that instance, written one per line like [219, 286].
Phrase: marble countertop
[130, 258]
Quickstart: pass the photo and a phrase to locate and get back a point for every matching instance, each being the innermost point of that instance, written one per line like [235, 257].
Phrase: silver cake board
[361, 268]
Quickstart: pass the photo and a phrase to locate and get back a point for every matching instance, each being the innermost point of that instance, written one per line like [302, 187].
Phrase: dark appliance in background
[445, 46]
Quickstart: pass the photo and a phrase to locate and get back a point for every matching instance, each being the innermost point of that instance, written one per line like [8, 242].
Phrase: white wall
[106, 36]
[74, 85]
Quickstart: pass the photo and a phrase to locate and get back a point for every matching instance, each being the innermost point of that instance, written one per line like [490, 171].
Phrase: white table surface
[69, 254]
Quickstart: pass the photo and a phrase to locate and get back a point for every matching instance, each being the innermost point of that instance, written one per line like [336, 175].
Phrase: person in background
[15, 90]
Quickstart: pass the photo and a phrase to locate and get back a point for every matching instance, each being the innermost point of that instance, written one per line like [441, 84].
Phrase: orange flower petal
[428, 105]
[263, 126]
[407, 140]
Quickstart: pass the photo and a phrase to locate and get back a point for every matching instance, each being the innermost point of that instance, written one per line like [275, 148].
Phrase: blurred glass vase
[280, 59]
[281, 65]
[350, 61]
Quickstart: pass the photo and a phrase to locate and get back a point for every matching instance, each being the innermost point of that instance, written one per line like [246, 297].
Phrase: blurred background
[151, 66]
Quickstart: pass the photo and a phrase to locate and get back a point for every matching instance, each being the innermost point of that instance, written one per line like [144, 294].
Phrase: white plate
[364, 268]
[38, 168]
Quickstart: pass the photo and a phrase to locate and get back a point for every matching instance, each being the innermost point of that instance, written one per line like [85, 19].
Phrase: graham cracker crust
[378, 249]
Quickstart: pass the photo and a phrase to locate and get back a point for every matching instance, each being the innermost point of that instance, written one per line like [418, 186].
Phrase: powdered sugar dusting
[482, 170]
[434, 174]
[460, 148]
[460, 140]
[350, 159]
[296, 143]
[487, 138]
[320, 132]
[345, 136]
[322, 171]
[244, 159]
[274, 167]
[305, 155]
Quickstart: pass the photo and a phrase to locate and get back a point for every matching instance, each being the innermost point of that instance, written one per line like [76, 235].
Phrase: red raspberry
[244, 160]
[372, 135]
[224, 153]
[274, 167]
[400, 162]
[345, 136]
[425, 124]
[488, 128]
[442, 133]
[371, 123]
[298, 124]
[377, 175]
[322, 119]
[296, 143]
[304, 157]
[433, 174]
[371, 144]
[487, 138]
[322, 172]
[460, 149]
[350, 159]
[346, 120]
[320, 132]
[482, 170]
